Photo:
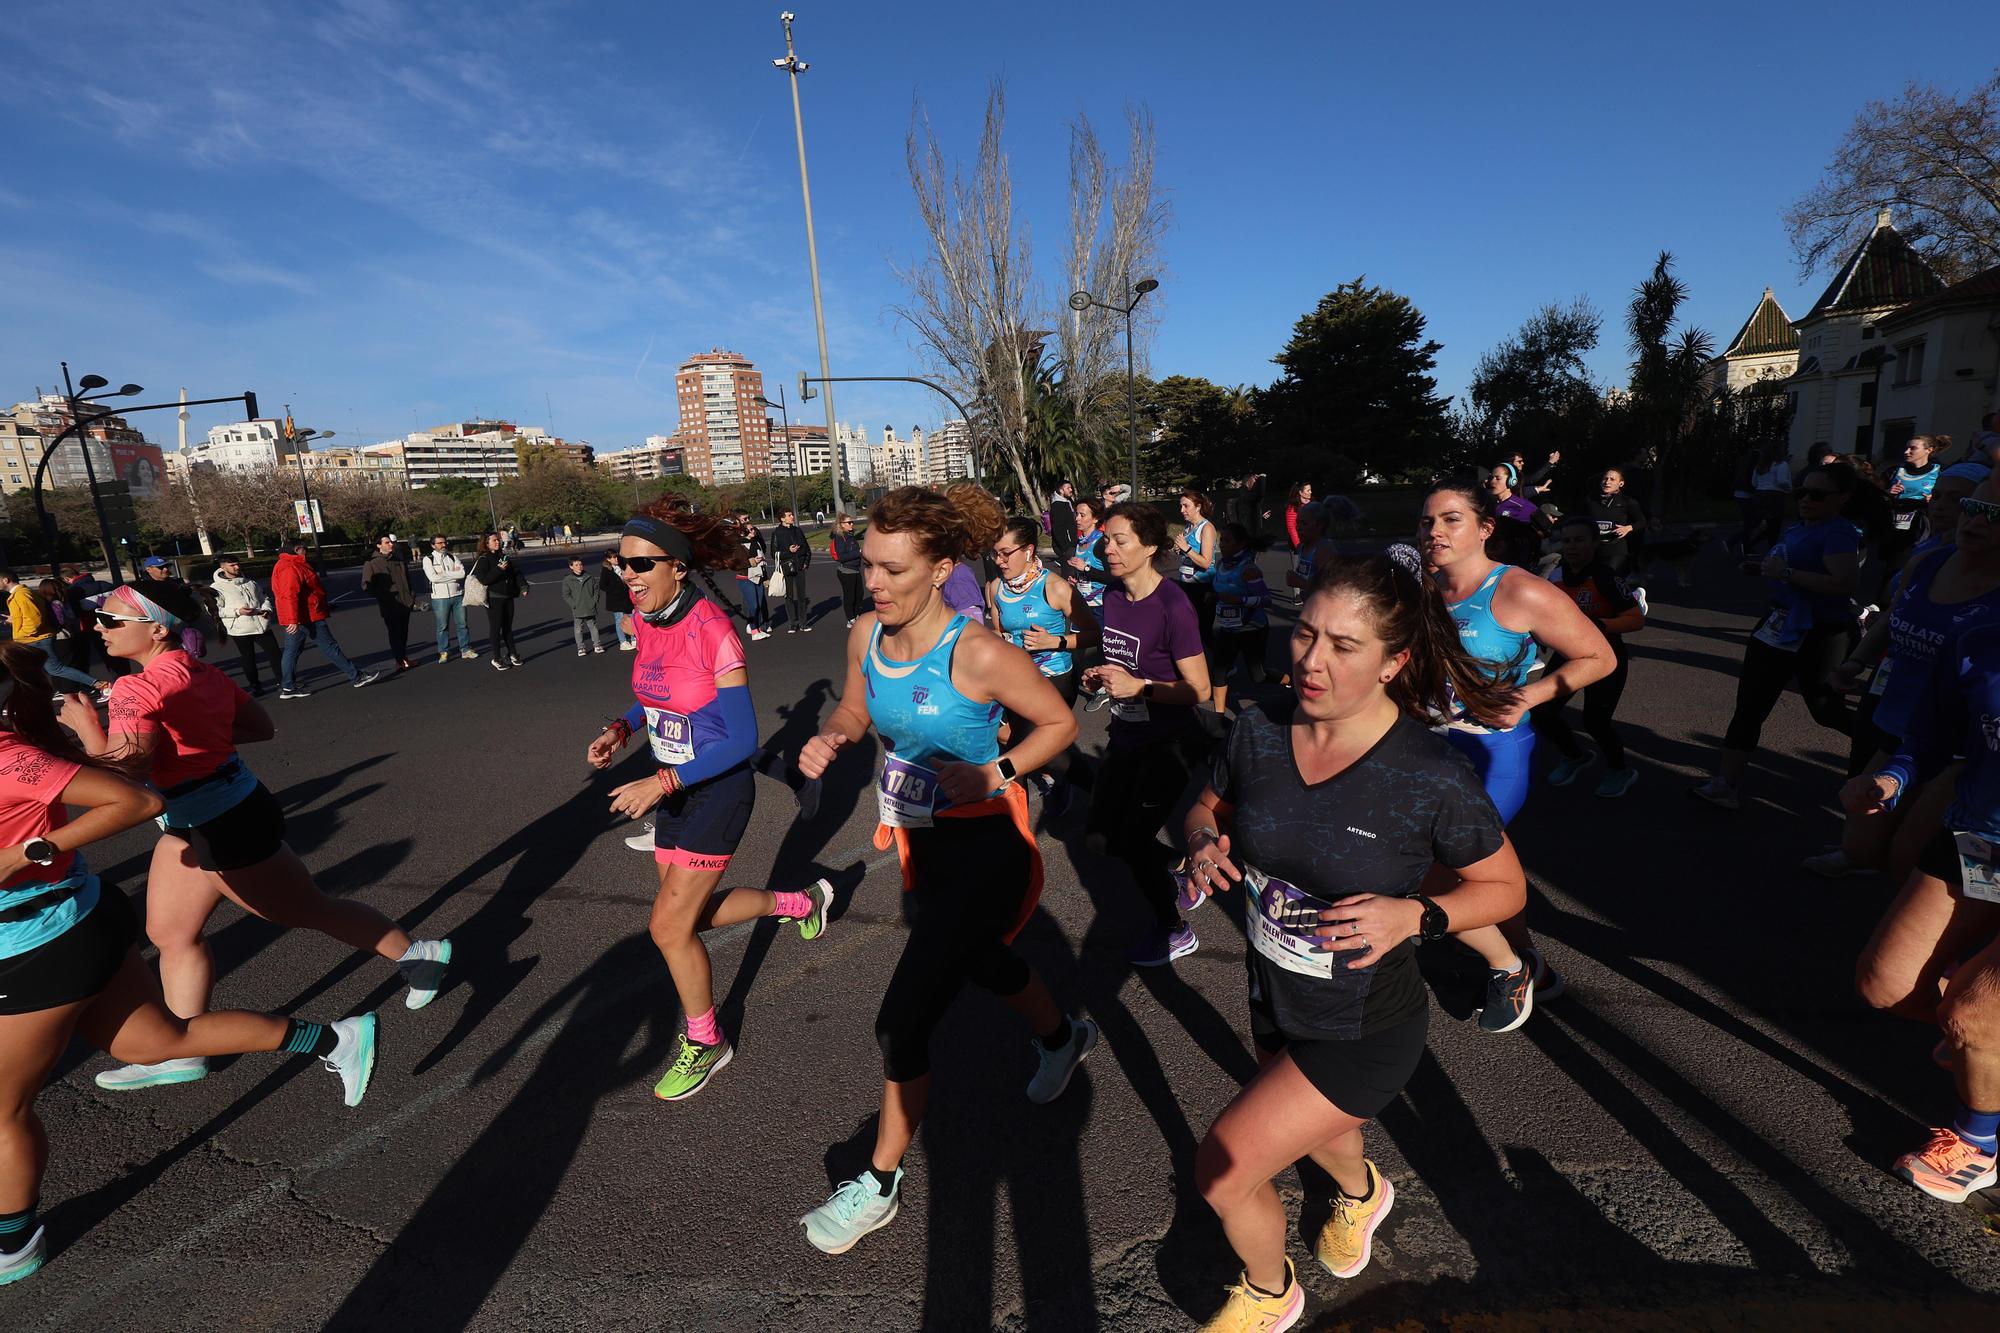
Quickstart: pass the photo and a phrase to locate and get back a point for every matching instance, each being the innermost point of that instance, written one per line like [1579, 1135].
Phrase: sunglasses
[105, 620]
[1986, 509]
[643, 564]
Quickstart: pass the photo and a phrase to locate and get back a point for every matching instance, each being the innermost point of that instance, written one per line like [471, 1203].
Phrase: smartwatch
[1434, 924]
[1006, 767]
[41, 851]
[1146, 690]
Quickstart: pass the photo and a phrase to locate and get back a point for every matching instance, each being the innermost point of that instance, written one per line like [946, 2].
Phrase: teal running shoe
[353, 1055]
[423, 973]
[24, 1261]
[855, 1209]
[813, 926]
[130, 1078]
[1057, 1067]
[693, 1066]
[1565, 772]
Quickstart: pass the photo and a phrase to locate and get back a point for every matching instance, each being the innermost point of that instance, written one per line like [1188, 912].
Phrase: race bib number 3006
[1282, 926]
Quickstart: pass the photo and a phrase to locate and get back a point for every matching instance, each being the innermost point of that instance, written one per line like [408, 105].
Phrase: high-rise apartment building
[117, 451]
[659, 456]
[950, 454]
[723, 434]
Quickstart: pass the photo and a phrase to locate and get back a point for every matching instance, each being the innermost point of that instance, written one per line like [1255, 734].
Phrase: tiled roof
[1883, 271]
[1979, 289]
[1768, 331]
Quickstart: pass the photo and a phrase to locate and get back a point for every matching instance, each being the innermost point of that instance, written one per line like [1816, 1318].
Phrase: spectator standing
[387, 577]
[446, 574]
[244, 611]
[496, 569]
[36, 628]
[1062, 524]
[299, 601]
[1301, 496]
[845, 548]
[154, 569]
[794, 555]
[583, 594]
[753, 582]
[618, 601]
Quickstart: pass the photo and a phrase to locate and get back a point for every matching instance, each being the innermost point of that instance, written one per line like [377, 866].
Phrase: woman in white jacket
[447, 576]
[245, 612]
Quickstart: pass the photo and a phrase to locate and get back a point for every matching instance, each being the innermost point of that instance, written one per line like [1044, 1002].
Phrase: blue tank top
[1486, 638]
[1092, 551]
[1200, 537]
[1029, 608]
[1231, 617]
[1918, 628]
[920, 715]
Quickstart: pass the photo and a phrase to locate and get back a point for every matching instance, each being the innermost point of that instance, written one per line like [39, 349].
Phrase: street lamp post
[794, 66]
[299, 440]
[1081, 301]
[792, 468]
[89, 468]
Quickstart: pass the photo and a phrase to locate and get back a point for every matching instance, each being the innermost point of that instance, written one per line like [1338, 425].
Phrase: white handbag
[776, 586]
[475, 591]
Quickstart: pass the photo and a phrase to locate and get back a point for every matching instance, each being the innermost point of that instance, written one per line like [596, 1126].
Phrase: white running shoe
[423, 970]
[642, 841]
[130, 1078]
[24, 1261]
[1718, 793]
[353, 1056]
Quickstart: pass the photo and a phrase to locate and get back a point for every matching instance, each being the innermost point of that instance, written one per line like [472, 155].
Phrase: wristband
[621, 728]
[670, 781]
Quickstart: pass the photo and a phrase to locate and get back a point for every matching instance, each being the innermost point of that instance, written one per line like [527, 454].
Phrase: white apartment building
[659, 456]
[434, 455]
[950, 453]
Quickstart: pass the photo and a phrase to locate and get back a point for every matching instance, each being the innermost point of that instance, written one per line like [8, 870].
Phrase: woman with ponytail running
[1046, 617]
[1086, 567]
[1504, 615]
[934, 686]
[1331, 810]
[69, 958]
[695, 711]
[180, 720]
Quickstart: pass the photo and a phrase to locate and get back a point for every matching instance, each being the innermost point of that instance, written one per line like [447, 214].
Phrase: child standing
[584, 596]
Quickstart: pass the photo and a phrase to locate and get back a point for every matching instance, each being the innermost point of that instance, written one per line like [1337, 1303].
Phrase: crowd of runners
[1359, 802]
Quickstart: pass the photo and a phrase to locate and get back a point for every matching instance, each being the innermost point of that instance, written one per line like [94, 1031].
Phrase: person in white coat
[244, 609]
[447, 575]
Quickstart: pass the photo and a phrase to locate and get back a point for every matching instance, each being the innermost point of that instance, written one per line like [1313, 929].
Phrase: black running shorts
[247, 834]
[76, 964]
[1359, 1075]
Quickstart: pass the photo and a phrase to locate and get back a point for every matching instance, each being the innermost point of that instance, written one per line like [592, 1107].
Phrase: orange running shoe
[1948, 1168]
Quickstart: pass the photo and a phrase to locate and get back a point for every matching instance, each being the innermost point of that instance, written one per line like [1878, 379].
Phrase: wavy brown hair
[956, 525]
[716, 541]
[30, 712]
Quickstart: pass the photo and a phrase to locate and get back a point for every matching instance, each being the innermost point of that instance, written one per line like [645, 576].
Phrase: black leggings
[1135, 794]
[970, 877]
[1600, 701]
[1202, 597]
[850, 592]
[1766, 670]
[500, 625]
[798, 607]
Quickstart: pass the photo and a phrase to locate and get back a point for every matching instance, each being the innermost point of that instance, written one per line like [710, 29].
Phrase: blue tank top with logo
[1486, 638]
[1030, 609]
[1230, 578]
[1918, 629]
[1200, 537]
[920, 715]
[1091, 549]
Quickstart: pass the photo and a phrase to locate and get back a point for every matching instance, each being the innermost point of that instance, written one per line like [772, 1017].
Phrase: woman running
[1517, 523]
[1910, 487]
[934, 685]
[1586, 576]
[1242, 631]
[1196, 544]
[180, 719]
[963, 591]
[695, 710]
[69, 962]
[1086, 567]
[1504, 615]
[1155, 675]
[1048, 618]
[1812, 569]
[1331, 809]
[1936, 956]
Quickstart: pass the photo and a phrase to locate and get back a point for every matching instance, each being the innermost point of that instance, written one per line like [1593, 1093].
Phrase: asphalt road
[1695, 1136]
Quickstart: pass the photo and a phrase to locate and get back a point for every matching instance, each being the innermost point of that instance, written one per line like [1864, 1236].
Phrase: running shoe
[1566, 771]
[1055, 793]
[424, 973]
[1345, 1240]
[596, 648]
[855, 1209]
[367, 680]
[1187, 894]
[1159, 946]
[1617, 781]
[24, 1261]
[629, 647]
[1639, 596]
[353, 1056]
[1718, 793]
[1250, 1311]
[513, 660]
[579, 652]
[1948, 1168]
[806, 628]
[499, 663]
[693, 1065]
[130, 1078]
[1510, 998]
[1549, 983]
[1836, 864]
[1094, 701]
[469, 655]
[288, 692]
[813, 926]
[643, 841]
[1059, 1066]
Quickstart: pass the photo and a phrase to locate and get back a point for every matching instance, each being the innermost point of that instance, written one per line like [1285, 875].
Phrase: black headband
[661, 534]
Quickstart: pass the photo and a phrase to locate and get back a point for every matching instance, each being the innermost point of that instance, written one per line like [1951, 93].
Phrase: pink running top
[674, 678]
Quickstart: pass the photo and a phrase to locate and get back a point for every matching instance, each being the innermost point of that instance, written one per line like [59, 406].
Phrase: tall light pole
[77, 423]
[794, 66]
[1081, 301]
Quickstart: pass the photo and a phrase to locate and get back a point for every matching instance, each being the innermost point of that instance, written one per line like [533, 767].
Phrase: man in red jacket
[300, 603]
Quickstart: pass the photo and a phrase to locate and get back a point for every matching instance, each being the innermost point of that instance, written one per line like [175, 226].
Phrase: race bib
[906, 794]
[1975, 867]
[671, 736]
[1881, 681]
[1904, 522]
[1282, 924]
[1122, 649]
[1228, 616]
[1776, 632]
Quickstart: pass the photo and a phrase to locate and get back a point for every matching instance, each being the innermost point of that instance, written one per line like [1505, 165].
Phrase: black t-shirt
[1599, 594]
[1376, 827]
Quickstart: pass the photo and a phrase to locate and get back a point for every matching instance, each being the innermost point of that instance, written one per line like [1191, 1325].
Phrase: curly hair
[716, 542]
[1148, 524]
[956, 525]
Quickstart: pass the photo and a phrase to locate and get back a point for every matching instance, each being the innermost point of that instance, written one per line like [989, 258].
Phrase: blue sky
[396, 214]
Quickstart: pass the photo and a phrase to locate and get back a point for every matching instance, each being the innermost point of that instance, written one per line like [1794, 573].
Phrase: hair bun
[1405, 556]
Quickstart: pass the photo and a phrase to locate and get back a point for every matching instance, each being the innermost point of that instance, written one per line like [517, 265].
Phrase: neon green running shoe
[693, 1065]
[814, 926]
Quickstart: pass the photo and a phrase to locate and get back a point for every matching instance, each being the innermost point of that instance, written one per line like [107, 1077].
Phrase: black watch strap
[1434, 925]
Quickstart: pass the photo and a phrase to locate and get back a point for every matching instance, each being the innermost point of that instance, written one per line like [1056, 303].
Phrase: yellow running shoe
[1344, 1240]
[1250, 1311]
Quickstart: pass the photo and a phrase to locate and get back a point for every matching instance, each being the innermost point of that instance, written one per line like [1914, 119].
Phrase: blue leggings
[1501, 759]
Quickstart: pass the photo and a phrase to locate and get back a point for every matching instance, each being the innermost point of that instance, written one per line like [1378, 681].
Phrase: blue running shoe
[353, 1055]
[855, 1209]
[1057, 1067]
[24, 1261]
[1565, 772]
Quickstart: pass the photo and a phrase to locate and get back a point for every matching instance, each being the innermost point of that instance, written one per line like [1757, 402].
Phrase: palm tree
[1670, 380]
